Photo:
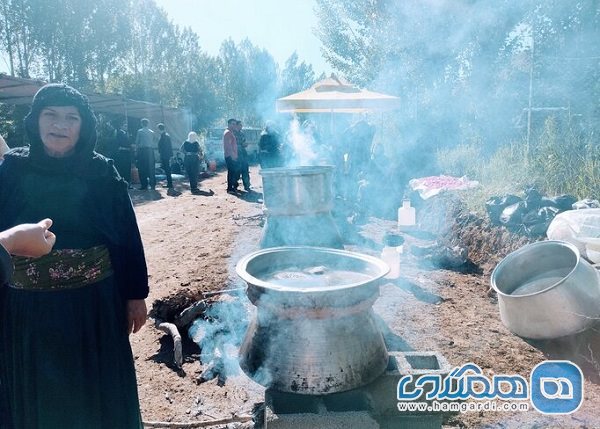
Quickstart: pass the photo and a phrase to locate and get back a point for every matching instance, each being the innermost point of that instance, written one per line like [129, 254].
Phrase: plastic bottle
[406, 215]
[391, 254]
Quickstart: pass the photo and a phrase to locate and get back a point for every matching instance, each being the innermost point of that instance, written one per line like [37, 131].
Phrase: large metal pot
[546, 290]
[314, 331]
[298, 203]
[297, 190]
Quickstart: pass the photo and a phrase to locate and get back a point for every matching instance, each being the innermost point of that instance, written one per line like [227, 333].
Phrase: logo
[556, 387]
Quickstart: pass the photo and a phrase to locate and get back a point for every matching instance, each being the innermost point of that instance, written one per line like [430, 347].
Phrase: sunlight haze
[279, 26]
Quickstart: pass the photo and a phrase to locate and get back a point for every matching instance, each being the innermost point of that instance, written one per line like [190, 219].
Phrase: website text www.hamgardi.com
[462, 407]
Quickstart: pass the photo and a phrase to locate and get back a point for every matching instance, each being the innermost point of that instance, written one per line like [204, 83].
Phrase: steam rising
[219, 335]
[461, 79]
[302, 145]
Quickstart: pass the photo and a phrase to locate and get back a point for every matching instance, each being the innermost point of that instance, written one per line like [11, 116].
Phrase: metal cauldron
[315, 334]
[546, 290]
[298, 203]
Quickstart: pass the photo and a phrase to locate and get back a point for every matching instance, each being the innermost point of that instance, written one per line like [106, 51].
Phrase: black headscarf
[59, 94]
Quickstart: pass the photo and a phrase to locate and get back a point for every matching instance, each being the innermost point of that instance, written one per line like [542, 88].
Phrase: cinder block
[383, 391]
[325, 420]
[411, 421]
[352, 400]
[292, 403]
[370, 407]
[421, 363]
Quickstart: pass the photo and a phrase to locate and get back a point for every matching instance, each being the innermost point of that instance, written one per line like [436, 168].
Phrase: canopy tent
[335, 95]
[14, 90]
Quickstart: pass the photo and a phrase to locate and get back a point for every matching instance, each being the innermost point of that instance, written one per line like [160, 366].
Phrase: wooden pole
[200, 424]
[527, 147]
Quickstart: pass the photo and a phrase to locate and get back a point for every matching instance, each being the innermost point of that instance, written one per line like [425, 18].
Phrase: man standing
[230, 151]
[242, 144]
[165, 150]
[145, 155]
[269, 147]
[123, 153]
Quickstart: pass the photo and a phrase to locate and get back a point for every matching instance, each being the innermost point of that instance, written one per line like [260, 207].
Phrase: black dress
[5, 266]
[269, 150]
[191, 160]
[65, 357]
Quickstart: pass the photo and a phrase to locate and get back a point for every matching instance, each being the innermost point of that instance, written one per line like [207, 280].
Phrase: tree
[194, 81]
[249, 81]
[461, 76]
[295, 77]
[17, 38]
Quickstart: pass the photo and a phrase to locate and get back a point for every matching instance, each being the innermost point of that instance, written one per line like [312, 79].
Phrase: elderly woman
[65, 357]
[193, 153]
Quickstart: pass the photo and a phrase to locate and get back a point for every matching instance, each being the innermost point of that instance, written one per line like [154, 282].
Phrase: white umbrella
[334, 95]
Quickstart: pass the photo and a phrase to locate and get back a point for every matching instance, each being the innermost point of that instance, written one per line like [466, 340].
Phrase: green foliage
[131, 47]
[248, 81]
[454, 71]
[562, 161]
[295, 77]
[568, 162]
[463, 160]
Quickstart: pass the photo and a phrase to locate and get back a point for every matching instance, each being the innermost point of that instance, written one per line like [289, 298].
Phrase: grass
[560, 161]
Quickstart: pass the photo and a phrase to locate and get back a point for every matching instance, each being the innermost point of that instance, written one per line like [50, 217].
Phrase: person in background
[144, 143]
[375, 187]
[192, 153]
[309, 130]
[242, 144]
[123, 155]
[269, 147]
[323, 152]
[165, 150]
[65, 319]
[358, 140]
[230, 150]
[3, 148]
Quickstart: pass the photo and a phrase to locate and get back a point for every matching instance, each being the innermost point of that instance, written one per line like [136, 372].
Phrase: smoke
[302, 145]
[219, 336]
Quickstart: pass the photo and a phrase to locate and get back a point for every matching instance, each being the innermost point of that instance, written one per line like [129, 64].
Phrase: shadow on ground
[582, 349]
[164, 355]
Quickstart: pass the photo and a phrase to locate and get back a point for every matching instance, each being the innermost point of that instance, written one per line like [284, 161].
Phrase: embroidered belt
[191, 153]
[62, 269]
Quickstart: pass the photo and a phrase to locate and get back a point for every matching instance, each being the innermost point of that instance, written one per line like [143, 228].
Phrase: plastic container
[135, 176]
[406, 215]
[391, 254]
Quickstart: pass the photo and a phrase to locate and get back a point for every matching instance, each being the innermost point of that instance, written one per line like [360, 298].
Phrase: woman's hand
[136, 315]
[29, 239]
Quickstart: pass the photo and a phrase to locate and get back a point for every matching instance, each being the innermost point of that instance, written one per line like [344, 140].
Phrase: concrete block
[382, 392]
[326, 420]
[411, 421]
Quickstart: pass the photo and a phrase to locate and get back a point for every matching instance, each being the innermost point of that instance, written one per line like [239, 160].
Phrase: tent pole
[331, 122]
[126, 114]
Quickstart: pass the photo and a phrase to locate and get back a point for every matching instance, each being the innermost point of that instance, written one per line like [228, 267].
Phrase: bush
[569, 161]
[559, 162]
[462, 160]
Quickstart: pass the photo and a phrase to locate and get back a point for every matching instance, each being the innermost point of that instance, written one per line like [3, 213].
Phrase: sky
[279, 26]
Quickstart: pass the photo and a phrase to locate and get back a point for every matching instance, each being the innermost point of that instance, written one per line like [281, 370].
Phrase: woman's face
[59, 129]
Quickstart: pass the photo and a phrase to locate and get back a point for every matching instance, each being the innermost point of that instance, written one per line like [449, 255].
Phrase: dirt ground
[193, 242]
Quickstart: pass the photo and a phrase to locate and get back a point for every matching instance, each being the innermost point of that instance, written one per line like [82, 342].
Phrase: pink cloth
[432, 185]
